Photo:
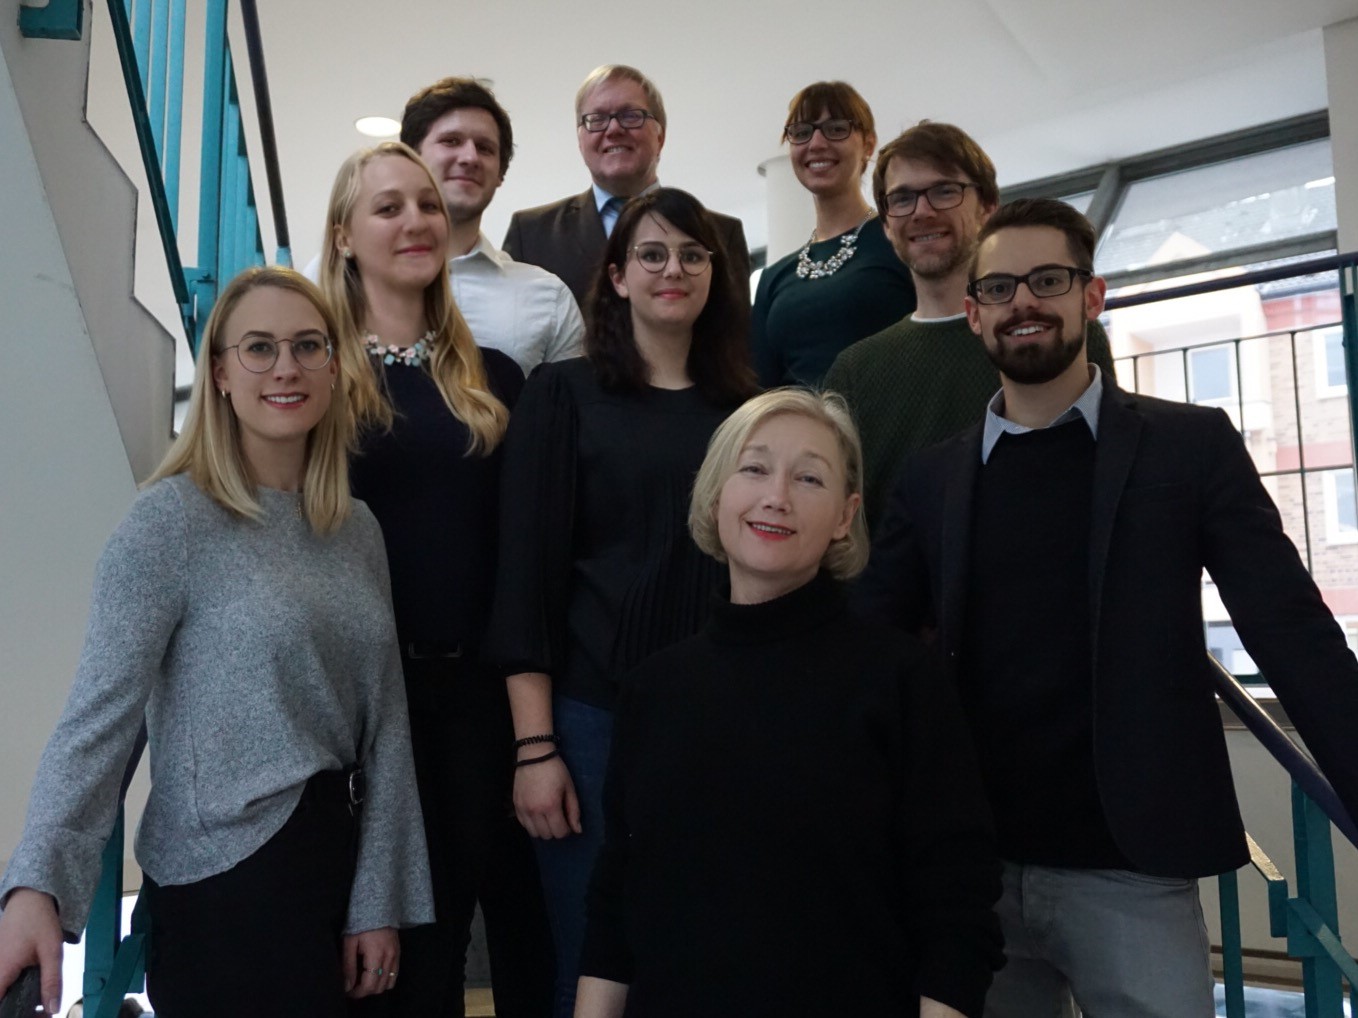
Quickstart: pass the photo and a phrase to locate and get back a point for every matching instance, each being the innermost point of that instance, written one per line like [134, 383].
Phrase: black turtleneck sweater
[793, 803]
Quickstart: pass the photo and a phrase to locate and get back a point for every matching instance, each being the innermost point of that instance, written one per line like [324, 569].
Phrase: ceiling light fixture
[378, 127]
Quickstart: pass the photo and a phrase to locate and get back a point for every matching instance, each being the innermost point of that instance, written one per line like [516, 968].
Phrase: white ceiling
[1044, 85]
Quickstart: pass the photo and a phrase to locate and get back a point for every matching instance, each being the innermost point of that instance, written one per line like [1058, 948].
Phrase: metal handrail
[259, 78]
[1309, 267]
[1270, 734]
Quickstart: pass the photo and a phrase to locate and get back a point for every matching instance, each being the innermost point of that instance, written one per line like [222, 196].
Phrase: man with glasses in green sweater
[927, 377]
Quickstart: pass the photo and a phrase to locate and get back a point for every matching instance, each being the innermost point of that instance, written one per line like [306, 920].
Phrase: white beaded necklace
[807, 269]
[411, 356]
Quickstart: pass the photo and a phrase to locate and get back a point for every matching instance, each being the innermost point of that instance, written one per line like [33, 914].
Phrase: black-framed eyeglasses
[258, 354]
[1044, 281]
[946, 194]
[799, 132]
[653, 256]
[627, 119]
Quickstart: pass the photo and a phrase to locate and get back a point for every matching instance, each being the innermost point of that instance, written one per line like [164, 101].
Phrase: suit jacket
[567, 238]
[1174, 492]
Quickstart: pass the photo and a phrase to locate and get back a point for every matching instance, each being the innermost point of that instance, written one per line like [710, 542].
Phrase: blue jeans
[566, 864]
[1113, 943]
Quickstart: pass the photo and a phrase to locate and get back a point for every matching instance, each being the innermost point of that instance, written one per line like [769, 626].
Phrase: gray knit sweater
[260, 654]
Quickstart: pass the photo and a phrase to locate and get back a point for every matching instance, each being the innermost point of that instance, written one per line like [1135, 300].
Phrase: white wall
[94, 207]
[66, 474]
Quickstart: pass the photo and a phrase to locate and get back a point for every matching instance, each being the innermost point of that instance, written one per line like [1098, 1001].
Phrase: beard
[942, 264]
[1034, 363]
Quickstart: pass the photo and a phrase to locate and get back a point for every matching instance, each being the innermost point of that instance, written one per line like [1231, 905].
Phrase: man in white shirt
[464, 134]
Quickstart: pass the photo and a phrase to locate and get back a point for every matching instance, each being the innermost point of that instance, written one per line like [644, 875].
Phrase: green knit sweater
[917, 383]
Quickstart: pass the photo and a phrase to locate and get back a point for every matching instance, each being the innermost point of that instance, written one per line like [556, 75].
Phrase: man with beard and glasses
[1055, 550]
[926, 377]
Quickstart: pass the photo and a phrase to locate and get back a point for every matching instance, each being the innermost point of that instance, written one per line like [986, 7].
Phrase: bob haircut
[614, 72]
[1050, 212]
[846, 557]
[836, 98]
[719, 356]
[447, 94]
[208, 448]
[455, 361]
[947, 149]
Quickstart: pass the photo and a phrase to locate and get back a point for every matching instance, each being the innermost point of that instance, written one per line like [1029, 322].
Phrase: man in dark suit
[1056, 550]
[620, 122]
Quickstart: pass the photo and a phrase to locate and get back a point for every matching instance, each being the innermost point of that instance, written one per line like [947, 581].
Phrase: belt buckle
[357, 788]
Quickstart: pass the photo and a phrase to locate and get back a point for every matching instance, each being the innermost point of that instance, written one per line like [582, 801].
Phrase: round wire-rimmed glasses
[653, 256]
[259, 354]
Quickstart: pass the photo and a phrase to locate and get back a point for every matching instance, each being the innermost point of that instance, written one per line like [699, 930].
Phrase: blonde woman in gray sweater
[242, 609]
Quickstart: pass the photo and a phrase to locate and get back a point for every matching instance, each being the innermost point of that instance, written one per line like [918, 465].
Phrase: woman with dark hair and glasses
[846, 282]
[597, 569]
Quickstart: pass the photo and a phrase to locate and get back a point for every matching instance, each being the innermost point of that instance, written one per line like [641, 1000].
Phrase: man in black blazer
[1056, 551]
[567, 237]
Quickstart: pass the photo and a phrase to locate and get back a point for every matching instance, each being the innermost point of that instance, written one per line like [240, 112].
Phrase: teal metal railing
[1310, 920]
[150, 36]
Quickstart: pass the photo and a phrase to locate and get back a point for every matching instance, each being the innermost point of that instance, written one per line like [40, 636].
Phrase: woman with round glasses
[596, 566]
[242, 611]
[432, 409]
[845, 283]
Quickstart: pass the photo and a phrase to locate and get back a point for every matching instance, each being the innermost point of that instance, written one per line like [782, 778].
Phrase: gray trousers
[1111, 943]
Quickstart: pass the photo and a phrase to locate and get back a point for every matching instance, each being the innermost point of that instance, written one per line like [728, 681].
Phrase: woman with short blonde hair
[793, 800]
[844, 558]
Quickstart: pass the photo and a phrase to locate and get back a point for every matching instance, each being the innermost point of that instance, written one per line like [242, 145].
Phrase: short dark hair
[837, 98]
[1079, 231]
[719, 357]
[428, 104]
[947, 149]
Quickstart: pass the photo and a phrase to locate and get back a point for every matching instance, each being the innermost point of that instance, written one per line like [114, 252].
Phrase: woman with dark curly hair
[597, 569]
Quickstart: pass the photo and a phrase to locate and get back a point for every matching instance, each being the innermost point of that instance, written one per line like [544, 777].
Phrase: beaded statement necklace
[807, 269]
[411, 356]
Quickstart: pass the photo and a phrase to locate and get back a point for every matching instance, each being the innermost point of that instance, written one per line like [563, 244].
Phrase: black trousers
[463, 741]
[263, 938]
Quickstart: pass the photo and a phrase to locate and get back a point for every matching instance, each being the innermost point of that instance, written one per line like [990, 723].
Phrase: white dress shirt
[520, 309]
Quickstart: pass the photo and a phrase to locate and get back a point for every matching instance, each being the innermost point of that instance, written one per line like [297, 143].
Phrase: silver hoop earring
[223, 392]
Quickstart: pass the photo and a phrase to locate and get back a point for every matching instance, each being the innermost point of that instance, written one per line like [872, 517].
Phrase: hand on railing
[30, 934]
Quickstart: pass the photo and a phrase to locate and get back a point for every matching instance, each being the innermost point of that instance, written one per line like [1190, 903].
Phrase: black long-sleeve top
[793, 803]
[438, 506]
[597, 568]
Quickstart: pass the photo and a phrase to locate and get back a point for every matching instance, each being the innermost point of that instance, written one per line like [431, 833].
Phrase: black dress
[597, 568]
[793, 804]
[439, 511]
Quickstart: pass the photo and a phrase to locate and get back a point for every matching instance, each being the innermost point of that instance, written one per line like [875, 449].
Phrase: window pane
[1079, 202]
[1334, 358]
[1270, 196]
[1345, 510]
[1210, 371]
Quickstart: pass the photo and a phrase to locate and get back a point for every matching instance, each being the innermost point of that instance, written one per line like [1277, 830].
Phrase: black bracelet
[537, 759]
[533, 740]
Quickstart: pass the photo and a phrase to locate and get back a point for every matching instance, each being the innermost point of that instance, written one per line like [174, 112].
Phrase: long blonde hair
[455, 363]
[208, 448]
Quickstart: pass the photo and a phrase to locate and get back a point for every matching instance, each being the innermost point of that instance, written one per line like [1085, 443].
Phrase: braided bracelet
[537, 759]
[533, 740]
